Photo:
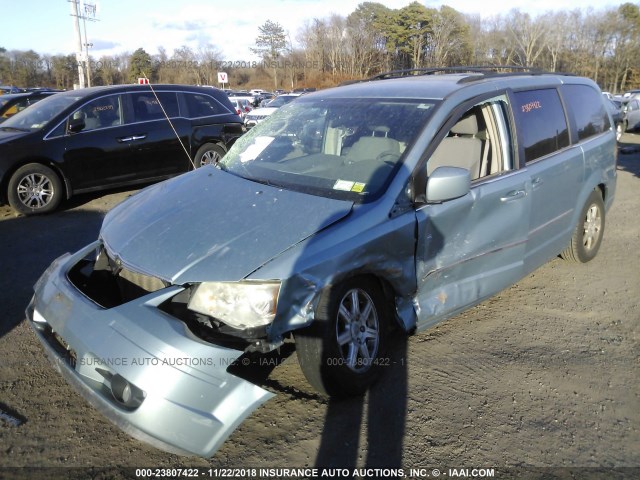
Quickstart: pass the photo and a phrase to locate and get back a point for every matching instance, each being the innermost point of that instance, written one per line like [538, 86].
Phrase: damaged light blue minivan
[390, 203]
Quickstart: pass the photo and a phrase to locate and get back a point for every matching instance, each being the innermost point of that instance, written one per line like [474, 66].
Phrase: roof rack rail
[483, 71]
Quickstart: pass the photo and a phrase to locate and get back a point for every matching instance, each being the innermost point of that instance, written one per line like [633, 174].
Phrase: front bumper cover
[189, 404]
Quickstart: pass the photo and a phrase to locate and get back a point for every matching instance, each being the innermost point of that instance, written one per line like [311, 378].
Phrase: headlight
[238, 304]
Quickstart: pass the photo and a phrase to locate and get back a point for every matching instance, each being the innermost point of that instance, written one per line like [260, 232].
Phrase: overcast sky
[124, 25]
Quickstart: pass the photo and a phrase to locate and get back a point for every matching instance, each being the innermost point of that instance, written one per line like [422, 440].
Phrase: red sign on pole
[143, 81]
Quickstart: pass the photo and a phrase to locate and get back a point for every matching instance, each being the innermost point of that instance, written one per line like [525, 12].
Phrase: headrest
[466, 126]
[379, 129]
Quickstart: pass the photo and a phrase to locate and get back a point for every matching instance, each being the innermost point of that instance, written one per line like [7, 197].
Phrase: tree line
[603, 45]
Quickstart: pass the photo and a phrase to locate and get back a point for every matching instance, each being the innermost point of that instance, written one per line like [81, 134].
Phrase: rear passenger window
[147, 107]
[587, 109]
[541, 122]
[202, 105]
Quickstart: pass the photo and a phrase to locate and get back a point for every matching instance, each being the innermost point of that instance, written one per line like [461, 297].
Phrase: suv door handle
[514, 195]
[139, 137]
[124, 139]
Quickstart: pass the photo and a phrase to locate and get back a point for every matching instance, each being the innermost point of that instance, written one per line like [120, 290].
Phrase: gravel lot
[543, 375]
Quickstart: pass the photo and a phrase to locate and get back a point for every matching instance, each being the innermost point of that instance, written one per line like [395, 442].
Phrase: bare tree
[528, 35]
[449, 41]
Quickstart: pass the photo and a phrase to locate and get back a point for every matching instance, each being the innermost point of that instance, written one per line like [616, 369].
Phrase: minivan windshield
[346, 148]
[38, 115]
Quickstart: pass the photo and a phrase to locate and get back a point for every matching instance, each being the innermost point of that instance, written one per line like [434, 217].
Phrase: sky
[46, 26]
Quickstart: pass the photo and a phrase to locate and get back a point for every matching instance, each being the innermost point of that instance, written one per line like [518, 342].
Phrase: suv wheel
[34, 188]
[587, 236]
[209, 154]
[340, 353]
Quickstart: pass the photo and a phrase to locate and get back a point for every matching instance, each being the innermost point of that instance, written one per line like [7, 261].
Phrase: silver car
[392, 203]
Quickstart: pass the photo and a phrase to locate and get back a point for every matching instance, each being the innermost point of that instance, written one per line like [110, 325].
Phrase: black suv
[103, 137]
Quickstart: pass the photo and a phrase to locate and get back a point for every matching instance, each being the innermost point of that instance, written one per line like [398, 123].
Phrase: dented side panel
[384, 249]
[472, 247]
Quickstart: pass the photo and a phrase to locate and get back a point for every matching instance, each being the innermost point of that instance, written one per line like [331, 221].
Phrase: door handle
[124, 139]
[139, 137]
[514, 195]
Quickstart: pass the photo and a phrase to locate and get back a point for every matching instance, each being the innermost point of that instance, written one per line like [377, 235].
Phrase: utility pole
[82, 57]
[75, 13]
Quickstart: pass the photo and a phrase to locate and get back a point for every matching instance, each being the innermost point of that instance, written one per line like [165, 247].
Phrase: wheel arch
[212, 141]
[388, 291]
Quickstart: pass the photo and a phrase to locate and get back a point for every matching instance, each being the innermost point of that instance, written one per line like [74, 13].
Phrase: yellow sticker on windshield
[358, 187]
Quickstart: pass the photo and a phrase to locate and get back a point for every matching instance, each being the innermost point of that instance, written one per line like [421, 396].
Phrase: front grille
[130, 279]
[108, 283]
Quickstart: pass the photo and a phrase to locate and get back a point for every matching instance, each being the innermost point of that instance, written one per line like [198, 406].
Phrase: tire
[208, 154]
[341, 353]
[587, 236]
[34, 188]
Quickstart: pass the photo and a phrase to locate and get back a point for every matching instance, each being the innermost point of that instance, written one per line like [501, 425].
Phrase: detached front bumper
[140, 367]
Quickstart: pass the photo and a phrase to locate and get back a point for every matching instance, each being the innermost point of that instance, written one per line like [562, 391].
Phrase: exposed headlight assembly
[240, 305]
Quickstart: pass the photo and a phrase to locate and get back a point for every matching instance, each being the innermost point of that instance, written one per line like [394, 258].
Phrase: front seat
[374, 146]
[462, 148]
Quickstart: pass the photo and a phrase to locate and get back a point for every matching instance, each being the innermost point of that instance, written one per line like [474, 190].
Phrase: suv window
[146, 106]
[479, 141]
[202, 105]
[587, 109]
[541, 121]
[101, 113]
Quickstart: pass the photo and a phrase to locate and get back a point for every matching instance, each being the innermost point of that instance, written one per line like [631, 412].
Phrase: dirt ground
[541, 381]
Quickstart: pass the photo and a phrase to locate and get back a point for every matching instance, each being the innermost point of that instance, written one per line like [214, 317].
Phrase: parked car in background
[264, 98]
[259, 114]
[241, 105]
[389, 204]
[617, 115]
[102, 137]
[631, 115]
[241, 95]
[4, 89]
[12, 103]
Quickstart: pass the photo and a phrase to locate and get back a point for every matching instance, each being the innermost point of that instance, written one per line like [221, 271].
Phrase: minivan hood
[210, 225]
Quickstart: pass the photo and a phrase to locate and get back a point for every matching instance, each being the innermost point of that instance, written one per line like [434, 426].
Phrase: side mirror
[76, 123]
[447, 183]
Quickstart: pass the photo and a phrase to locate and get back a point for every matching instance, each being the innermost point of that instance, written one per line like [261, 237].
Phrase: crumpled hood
[210, 225]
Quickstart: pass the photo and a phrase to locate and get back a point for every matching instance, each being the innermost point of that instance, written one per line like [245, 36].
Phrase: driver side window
[100, 113]
[479, 141]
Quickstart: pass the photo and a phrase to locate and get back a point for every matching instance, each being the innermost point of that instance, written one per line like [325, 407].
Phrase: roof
[437, 84]
[85, 92]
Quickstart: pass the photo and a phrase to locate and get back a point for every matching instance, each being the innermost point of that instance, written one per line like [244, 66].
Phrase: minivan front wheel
[341, 353]
[34, 188]
[208, 154]
[587, 236]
